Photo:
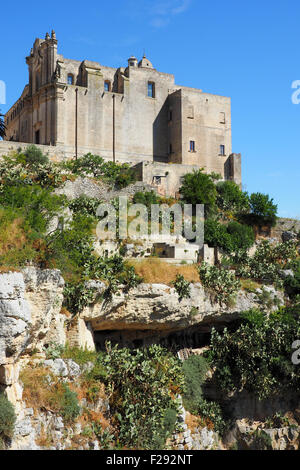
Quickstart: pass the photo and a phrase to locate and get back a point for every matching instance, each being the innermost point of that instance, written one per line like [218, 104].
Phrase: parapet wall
[55, 153]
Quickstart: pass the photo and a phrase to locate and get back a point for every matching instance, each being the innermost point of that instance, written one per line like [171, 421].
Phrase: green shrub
[7, 419]
[77, 296]
[222, 283]
[292, 283]
[85, 205]
[195, 369]
[182, 287]
[68, 404]
[267, 262]
[261, 440]
[232, 238]
[86, 165]
[54, 350]
[35, 157]
[212, 410]
[216, 235]
[147, 198]
[242, 236]
[119, 174]
[257, 355]
[141, 383]
[125, 177]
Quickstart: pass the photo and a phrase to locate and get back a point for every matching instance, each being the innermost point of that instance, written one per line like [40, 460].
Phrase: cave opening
[188, 338]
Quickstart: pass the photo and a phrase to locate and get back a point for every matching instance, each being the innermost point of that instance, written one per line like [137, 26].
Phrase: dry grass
[8, 269]
[65, 312]
[44, 438]
[12, 235]
[154, 270]
[37, 392]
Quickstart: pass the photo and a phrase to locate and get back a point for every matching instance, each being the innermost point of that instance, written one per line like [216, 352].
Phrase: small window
[170, 149]
[107, 85]
[151, 90]
[190, 114]
[192, 146]
[131, 64]
[222, 118]
[222, 150]
[170, 117]
[70, 79]
[37, 137]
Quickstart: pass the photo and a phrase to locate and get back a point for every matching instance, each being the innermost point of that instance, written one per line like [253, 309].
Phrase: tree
[199, 188]
[231, 198]
[216, 235]
[2, 127]
[263, 210]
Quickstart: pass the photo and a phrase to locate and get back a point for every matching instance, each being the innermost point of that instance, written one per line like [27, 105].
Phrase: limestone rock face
[157, 306]
[15, 315]
[30, 303]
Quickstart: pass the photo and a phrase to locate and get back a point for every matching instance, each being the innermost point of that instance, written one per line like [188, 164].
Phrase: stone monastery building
[133, 114]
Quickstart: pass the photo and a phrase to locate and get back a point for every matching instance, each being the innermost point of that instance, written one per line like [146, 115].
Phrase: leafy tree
[232, 238]
[199, 188]
[231, 198]
[216, 235]
[262, 210]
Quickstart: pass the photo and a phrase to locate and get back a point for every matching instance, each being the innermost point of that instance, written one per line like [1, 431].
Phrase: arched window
[70, 79]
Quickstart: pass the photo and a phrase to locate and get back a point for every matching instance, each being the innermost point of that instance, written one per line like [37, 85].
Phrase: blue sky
[246, 50]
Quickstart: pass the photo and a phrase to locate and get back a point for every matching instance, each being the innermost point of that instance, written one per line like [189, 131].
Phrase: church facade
[132, 114]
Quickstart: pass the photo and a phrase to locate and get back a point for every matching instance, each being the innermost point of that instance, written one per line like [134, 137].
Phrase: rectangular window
[70, 79]
[190, 113]
[107, 86]
[170, 115]
[222, 150]
[192, 146]
[170, 148]
[151, 90]
[37, 137]
[222, 118]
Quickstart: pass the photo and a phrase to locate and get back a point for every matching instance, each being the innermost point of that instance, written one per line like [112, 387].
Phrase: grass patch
[154, 270]
[44, 391]
[249, 285]
[80, 356]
